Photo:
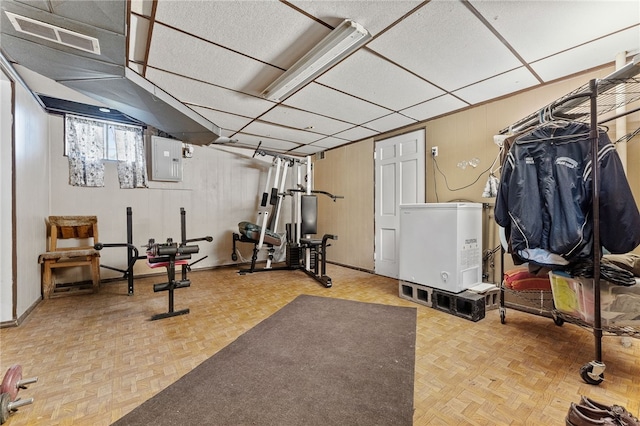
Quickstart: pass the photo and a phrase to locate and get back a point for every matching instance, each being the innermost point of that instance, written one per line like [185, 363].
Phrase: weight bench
[170, 255]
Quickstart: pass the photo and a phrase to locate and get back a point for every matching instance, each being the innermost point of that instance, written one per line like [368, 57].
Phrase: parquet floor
[98, 356]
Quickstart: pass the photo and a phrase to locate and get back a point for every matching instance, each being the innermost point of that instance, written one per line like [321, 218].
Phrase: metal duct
[103, 77]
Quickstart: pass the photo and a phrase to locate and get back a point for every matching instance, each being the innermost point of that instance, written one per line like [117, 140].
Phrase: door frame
[406, 147]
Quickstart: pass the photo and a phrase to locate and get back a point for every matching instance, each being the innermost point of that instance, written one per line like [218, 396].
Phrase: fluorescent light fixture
[343, 40]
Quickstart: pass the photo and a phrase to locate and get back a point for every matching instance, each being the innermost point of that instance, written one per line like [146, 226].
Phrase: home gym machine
[303, 252]
[167, 255]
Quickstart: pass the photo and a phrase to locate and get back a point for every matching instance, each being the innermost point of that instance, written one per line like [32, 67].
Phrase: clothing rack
[595, 103]
[576, 104]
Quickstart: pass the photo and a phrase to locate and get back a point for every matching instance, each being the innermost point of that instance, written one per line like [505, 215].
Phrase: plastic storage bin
[575, 295]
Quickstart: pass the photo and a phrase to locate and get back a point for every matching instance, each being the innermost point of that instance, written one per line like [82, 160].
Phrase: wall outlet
[434, 151]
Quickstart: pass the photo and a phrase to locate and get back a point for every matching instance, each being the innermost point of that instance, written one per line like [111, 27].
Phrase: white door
[399, 179]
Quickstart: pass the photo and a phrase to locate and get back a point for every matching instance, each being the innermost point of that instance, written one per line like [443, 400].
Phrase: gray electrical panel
[166, 159]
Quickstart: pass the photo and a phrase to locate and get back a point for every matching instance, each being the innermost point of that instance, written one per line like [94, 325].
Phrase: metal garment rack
[595, 103]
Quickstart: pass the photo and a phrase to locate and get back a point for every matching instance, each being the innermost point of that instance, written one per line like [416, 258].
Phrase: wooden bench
[81, 230]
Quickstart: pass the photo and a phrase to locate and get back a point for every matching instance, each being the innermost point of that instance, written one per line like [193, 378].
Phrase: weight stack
[294, 253]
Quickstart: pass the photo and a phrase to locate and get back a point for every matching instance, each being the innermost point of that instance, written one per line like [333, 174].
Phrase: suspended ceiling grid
[425, 59]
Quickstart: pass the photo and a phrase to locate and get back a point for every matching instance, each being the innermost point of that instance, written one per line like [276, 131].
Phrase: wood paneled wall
[348, 171]
[462, 136]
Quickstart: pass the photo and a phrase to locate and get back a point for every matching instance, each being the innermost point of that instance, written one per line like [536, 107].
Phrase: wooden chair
[81, 230]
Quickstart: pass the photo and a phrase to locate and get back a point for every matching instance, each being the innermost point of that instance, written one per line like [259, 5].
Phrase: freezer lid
[427, 206]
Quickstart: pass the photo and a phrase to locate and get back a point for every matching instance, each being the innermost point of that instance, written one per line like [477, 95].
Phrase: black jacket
[544, 199]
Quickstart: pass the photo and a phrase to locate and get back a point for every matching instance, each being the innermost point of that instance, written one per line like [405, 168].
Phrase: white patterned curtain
[132, 164]
[85, 149]
[90, 142]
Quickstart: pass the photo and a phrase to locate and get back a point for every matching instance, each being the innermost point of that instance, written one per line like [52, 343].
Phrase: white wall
[6, 235]
[31, 197]
[220, 188]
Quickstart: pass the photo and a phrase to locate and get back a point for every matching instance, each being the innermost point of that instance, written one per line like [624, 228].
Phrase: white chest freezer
[441, 245]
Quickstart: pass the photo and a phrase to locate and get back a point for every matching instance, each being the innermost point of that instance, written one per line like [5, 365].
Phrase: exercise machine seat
[252, 232]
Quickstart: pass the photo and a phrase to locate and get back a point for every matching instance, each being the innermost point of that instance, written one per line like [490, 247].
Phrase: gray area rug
[317, 361]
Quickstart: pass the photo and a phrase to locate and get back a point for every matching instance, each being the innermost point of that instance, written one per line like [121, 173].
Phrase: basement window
[90, 142]
[101, 139]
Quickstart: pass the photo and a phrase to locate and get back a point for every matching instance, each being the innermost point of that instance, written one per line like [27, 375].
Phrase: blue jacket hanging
[544, 199]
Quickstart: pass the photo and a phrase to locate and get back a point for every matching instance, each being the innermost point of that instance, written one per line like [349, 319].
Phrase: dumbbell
[7, 406]
[13, 381]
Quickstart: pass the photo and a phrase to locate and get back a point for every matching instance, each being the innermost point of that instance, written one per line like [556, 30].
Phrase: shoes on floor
[618, 410]
[591, 413]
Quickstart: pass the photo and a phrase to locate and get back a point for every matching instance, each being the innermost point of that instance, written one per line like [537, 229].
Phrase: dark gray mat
[317, 361]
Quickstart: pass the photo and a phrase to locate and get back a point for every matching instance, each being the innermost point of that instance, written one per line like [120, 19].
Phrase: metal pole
[130, 253]
[597, 251]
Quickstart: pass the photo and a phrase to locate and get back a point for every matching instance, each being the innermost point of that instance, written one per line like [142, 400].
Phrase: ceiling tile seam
[351, 95]
[285, 140]
[388, 115]
[585, 43]
[216, 44]
[258, 118]
[328, 137]
[452, 94]
[486, 79]
[308, 15]
[267, 136]
[400, 19]
[191, 104]
[500, 38]
[308, 112]
[152, 20]
[394, 111]
[127, 37]
[259, 121]
[208, 83]
[381, 56]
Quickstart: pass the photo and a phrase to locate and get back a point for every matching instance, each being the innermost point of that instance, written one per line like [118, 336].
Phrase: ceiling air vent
[52, 33]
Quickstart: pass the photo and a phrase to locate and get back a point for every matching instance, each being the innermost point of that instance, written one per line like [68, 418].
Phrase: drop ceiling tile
[330, 142]
[390, 122]
[589, 55]
[434, 108]
[200, 93]
[192, 57]
[331, 103]
[226, 121]
[292, 117]
[356, 133]
[305, 150]
[537, 29]
[373, 15]
[280, 132]
[446, 44]
[361, 75]
[137, 44]
[270, 144]
[270, 31]
[512, 81]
